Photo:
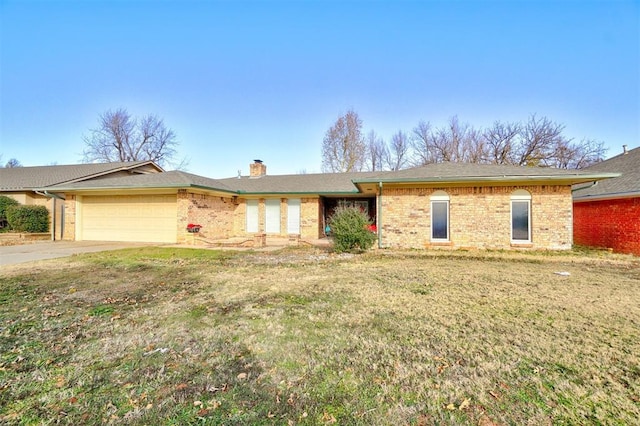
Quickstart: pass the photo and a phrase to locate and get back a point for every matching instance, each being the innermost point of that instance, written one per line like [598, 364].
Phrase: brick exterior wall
[309, 218]
[479, 217]
[613, 224]
[214, 213]
[69, 218]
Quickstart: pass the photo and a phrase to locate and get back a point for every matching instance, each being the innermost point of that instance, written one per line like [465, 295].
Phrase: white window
[293, 215]
[440, 216]
[272, 216]
[520, 216]
[252, 216]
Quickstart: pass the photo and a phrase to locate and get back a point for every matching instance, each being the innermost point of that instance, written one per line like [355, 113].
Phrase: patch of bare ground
[304, 336]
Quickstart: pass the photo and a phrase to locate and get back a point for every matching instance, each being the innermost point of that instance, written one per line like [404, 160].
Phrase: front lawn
[300, 336]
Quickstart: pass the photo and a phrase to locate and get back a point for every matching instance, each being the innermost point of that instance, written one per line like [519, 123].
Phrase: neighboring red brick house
[607, 214]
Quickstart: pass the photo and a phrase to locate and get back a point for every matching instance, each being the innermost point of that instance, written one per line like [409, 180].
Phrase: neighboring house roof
[29, 178]
[173, 179]
[627, 185]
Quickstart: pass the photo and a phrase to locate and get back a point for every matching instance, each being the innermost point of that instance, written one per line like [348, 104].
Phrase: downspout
[55, 197]
[379, 215]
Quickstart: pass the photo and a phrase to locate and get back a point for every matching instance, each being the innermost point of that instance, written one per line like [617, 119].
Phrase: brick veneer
[611, 224]
[214, 213]
[479, 217]
[309, 218]
[69, 217]
[225, 217]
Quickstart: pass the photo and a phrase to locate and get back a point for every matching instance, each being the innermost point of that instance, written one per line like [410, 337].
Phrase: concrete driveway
[10, 255]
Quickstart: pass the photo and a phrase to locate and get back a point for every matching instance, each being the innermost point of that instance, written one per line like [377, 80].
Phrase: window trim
[440, 197]
[520, 196]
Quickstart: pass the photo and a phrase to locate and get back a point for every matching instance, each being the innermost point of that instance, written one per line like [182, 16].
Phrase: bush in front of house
[350, 230]
[28, 218]
[5, 203]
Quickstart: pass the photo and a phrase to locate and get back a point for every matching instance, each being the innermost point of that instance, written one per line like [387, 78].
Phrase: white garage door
[144, 218]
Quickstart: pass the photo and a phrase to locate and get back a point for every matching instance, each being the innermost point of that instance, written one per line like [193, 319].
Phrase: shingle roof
[28, 178]
[333, 183]
[172, 179]
[317, 183]
[626, 185]
[468, 172]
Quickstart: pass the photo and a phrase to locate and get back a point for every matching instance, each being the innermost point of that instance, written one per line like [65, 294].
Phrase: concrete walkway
[11, 255]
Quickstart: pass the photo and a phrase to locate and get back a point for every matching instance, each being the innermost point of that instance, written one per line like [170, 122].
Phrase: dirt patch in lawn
[304, 336]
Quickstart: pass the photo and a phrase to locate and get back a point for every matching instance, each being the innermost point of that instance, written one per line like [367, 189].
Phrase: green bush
[28, 218]
[350, 230]
[5, 202]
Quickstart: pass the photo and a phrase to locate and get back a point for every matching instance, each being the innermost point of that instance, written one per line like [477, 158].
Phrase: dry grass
[304, 337]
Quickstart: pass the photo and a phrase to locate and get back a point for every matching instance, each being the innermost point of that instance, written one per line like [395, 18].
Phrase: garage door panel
[148, 218]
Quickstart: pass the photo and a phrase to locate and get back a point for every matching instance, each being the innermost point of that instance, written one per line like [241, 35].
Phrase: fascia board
[316, 193]
[129, 188]
[610, 196]
[570, 179]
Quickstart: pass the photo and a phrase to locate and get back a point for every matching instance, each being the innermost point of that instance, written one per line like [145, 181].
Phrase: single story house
[607, 213]
[451, 205]
[29, 185]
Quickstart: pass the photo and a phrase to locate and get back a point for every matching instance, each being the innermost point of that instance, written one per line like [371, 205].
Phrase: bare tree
[569, 155]
[538, 139]
[344, 148]
[13, 163]
[421, 143]
[399, 151]
[377, 152]
[454, 142]
[120, 137]
[500, 141]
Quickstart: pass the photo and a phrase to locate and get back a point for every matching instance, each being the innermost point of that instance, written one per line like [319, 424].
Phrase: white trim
[440, 197]
[520, 196]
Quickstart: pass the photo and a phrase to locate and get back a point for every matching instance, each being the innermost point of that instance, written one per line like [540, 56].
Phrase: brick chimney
[257, 169]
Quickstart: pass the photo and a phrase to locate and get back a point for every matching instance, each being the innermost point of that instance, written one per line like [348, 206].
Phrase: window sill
[441, 243]
[525, 244]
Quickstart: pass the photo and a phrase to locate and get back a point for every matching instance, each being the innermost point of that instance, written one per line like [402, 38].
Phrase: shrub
[350, 229]
[28, 218]
[5, 202]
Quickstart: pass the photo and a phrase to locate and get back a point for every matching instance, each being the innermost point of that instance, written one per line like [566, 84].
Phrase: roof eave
[115, 170]
[570, 179]
[130, 187]
[609, 196]
[319, 193]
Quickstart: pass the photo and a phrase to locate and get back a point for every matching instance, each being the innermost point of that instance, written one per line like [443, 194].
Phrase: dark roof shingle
[172, 179]
[628, 184]
[28, 178]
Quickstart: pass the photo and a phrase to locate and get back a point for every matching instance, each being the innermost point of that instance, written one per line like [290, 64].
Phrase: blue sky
[266, 79]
